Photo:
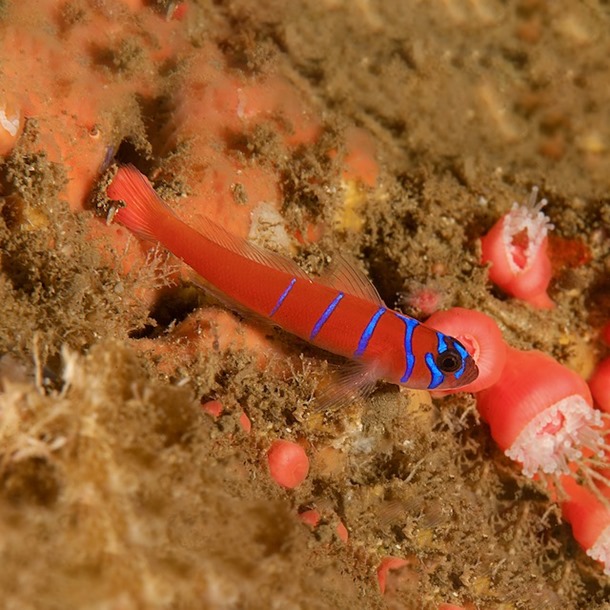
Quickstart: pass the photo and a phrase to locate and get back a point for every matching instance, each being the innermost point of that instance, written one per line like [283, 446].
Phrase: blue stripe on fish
[437, 375]
[283, 296]
[410, 325]
[324, 317]
[442, 344]
[368, 331]
[461, 350]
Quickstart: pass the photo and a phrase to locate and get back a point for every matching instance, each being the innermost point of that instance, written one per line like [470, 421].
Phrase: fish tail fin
[142, 204]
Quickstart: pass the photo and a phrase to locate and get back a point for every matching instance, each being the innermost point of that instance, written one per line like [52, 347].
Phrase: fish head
[450, 365]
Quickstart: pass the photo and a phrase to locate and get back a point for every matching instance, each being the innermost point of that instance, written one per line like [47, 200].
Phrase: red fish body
[342, 313]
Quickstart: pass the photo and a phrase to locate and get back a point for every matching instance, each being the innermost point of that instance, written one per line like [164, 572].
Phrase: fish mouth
[471, 372]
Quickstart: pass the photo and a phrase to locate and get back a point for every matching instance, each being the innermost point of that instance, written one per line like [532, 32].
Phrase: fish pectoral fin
[349, 382]
[345, 275]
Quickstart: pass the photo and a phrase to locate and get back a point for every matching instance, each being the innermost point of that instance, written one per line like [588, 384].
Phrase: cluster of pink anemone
[540, 413]
[543, 416]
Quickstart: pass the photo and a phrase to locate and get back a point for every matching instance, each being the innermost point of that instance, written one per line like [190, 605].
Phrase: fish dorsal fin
[345, 276]
[247, 249]
[144, 204]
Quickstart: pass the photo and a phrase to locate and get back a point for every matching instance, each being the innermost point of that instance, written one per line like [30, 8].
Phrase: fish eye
[449, 361]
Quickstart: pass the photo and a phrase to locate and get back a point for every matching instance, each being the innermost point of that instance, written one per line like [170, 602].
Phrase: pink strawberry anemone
[516, 246]
[481, 337]
[589, 516]
[541, 415]
[599, 383]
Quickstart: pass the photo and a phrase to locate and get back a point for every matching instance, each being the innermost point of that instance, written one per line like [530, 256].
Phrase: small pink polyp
[516, 246]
